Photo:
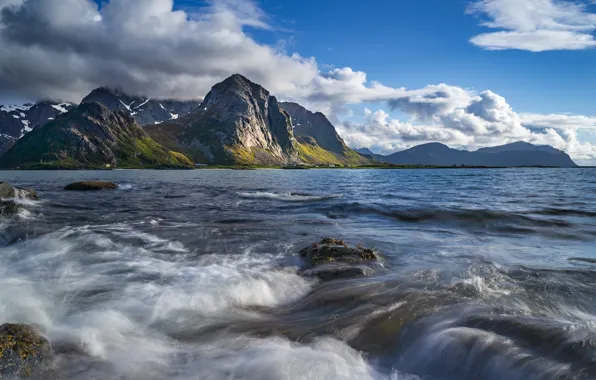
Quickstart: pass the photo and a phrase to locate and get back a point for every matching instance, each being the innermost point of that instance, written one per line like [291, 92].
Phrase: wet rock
[8, 208]
[333, 259]
[8, 191]
[91, 185]
[23, 351]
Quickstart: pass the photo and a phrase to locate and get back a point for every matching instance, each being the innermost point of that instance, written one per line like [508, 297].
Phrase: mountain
[144, 110]
[90, 136]
[15, 121]
[364, 151]
[515, 154]
[239, 122]
[318, 140]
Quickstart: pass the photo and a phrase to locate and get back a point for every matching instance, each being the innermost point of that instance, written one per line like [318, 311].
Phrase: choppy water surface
[487, 274]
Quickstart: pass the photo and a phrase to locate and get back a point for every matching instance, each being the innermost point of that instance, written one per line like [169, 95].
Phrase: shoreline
[258, 167]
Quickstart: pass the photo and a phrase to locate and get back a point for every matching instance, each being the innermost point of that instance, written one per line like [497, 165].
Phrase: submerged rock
[8, 191]
[332, 259]
[23, 351]
[91, 185]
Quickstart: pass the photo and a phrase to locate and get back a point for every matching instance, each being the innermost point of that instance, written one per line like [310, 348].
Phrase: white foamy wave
[90, 288]
[125, 186]
[279, 359]
[288, 197]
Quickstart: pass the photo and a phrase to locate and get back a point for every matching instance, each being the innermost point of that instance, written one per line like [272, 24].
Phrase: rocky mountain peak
[143, 109]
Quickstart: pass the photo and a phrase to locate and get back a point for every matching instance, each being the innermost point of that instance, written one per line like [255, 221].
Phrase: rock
[332, 259]
[8, 191]
[8, 208]
[91, 185]
[23, 351]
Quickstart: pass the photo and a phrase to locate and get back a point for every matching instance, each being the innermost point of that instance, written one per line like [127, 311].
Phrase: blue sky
[388, 74]
[414, 43]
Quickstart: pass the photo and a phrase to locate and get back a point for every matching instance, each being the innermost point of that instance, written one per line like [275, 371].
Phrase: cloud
[535, 25]
[464, 119]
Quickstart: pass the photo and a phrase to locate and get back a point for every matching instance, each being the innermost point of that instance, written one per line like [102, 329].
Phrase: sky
[388, 74]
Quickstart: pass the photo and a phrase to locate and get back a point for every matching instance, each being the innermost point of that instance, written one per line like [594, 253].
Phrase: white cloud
[464, 119]
[535, 25]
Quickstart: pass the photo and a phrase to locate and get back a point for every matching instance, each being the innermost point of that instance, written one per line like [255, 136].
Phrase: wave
[288, 197]
[479, 218]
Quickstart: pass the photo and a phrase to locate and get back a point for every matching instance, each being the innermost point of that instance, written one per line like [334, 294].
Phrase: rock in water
[91, 185]
[23, 351]
[8, 208]
[331, 259]
[8, 191]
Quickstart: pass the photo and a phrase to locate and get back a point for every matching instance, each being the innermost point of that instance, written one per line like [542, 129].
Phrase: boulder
[23, 351]
[333, 259]
[8, 208]
[91, 185]
[8, 191]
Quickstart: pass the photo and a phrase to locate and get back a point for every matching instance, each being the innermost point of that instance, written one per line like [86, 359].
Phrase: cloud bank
[535, 25]
[61, 49]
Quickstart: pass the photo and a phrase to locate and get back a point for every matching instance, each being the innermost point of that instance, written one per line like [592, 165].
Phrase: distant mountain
[364, 151]
[318, 134]
[90, 136]
[239, 122]
[144, 110]
[15, 121]
[515, 154]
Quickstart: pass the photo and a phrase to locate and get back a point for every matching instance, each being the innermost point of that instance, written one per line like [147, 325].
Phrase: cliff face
[239, 122]
[90, 136]
[316, 133]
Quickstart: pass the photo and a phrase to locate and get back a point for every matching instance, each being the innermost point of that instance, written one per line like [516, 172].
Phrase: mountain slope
[90, 136]
[317, 132]
[515, 154]
[144, 110]
[15, 121]
[239, 122]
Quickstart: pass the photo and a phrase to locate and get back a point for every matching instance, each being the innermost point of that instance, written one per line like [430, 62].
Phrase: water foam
[288, 197]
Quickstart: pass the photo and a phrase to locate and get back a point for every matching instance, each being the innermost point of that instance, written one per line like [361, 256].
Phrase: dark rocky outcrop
[144, 110]
[90, 136]
[23, 351]
[91, 185]
[8, 191]
[514, 154]
[332, 259]
[316, 130]
[9, 196]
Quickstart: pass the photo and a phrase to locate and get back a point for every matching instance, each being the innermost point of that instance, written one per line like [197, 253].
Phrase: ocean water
[486, 274]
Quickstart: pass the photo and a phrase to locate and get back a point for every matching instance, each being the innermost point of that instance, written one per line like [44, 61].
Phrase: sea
[484, 274]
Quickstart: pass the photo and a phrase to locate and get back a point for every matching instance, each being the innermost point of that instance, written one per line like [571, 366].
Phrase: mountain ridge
[90, 136]
[518, 153]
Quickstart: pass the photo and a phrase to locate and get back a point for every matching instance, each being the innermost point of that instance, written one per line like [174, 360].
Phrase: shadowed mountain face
[364, 152]
[144, 110]
[15, 121]
[90, 136]
[515, 154]
[316, 130]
